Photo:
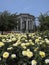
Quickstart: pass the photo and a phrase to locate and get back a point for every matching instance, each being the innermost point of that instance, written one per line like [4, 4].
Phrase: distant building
[25, 23]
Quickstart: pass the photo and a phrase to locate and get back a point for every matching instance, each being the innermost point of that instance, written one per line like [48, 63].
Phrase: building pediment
[24, 15]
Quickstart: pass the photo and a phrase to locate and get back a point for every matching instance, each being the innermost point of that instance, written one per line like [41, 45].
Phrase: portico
[27, 23]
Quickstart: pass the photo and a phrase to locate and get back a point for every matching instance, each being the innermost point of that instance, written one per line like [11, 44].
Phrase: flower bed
[24, 49]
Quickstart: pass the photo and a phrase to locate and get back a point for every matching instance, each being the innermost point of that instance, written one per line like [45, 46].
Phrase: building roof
[26, 15]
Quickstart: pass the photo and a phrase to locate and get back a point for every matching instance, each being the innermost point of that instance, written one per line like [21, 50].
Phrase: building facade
[25, 23]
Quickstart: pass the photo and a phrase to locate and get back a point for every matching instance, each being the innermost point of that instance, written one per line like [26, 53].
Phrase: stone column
[32, 25]
[17, 26]
[21, 24]
[27, 25]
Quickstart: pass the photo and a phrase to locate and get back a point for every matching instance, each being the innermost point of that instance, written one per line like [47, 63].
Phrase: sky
[33, 7]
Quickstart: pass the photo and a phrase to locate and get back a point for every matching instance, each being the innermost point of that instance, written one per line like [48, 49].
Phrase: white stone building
[25, 23]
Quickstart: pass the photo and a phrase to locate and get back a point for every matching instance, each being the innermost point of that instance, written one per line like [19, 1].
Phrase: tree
[44, 22]
[4, 21]
[7, 21]
[12, 21]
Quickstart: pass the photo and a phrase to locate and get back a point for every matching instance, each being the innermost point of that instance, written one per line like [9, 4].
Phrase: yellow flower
[3, 40]
[8, 40]
[13, 39]
[27, 44]
[47, 41]
[28, 49]
[15, 44]
[5, 55]
[24, 47]
[36, 49]
[13, 56]
[41, 42]
[10, 48]
[30, 40]
[42, 54]
[23, 44]
[31, 43]
[26, 40]
[1, 44]
[29, 35]
[24, 53]
[33, 62]
[37, 40]
[29, 54]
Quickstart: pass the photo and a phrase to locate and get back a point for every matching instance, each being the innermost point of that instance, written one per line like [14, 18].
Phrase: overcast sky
[33, 7]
